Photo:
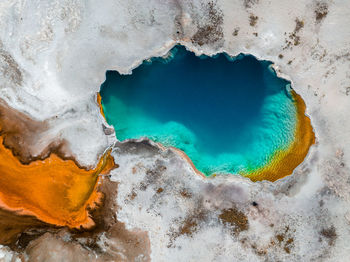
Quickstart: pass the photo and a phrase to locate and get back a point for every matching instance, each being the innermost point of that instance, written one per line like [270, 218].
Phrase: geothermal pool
[229, 115]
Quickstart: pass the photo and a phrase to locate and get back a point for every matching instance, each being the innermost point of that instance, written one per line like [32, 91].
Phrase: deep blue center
[207, 107]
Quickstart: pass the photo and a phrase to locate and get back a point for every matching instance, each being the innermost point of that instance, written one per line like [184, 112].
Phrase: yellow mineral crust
[99, 102]
[285, 161]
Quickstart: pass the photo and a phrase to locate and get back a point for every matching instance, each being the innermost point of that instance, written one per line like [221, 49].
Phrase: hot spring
[228, 115]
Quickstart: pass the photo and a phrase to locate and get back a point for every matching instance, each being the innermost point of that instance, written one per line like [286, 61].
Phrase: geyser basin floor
[228, 115]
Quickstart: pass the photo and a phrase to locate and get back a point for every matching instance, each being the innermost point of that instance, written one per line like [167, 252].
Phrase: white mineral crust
[53, 59]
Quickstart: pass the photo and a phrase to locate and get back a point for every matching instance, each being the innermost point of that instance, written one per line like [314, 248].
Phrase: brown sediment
[190, 225]
[234, 218]
[330, 234]
[50, 185]
[211, 32]
[12, 225]
[119, 243]
[285, 161]
[20, 133]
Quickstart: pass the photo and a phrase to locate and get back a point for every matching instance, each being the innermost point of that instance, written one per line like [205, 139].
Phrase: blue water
[228, 115]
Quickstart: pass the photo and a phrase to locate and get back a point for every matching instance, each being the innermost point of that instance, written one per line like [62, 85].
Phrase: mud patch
[189, 226]
[329, 234]
[284, 242]
[253, 20]
[234, 219]
[293, 37]
[185, 193]
[15, 230]
[212, 31]
[321, 11]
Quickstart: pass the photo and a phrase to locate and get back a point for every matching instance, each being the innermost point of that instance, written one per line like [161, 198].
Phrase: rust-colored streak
[285, 161]
[99, 102]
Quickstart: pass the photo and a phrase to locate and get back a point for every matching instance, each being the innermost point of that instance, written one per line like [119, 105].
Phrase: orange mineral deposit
[99, 102]
[54, 190]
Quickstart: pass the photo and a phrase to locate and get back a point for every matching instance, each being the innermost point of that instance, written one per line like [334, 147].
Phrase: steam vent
[174, 131]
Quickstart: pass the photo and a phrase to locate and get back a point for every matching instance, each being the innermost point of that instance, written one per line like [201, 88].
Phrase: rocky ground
[53, 57]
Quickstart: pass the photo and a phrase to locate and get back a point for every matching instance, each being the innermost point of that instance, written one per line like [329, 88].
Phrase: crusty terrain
[53, 59]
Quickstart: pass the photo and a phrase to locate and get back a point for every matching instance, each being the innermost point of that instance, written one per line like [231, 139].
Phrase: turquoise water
[228, 115]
